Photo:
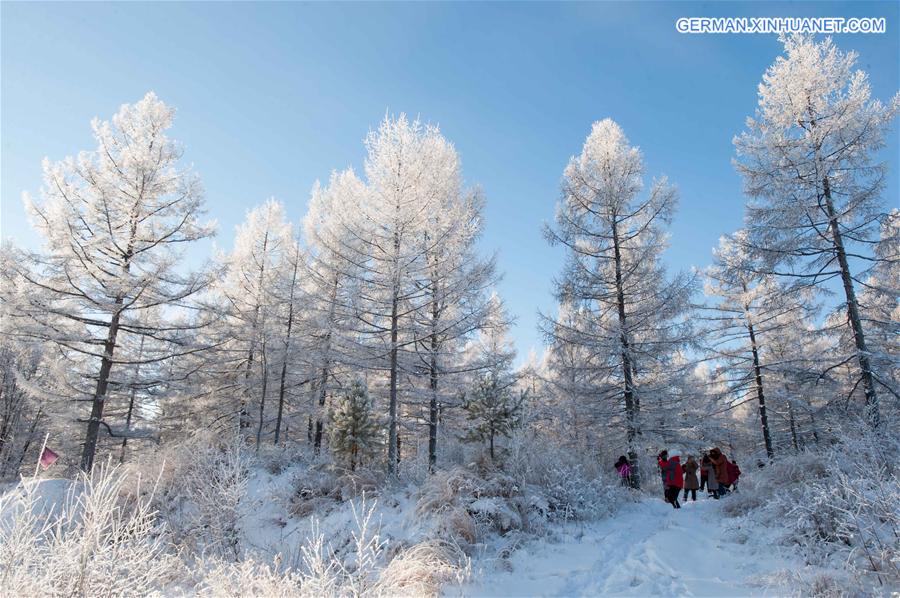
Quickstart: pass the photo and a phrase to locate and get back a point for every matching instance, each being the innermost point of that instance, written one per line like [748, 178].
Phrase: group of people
[717, 475]
[714, 473]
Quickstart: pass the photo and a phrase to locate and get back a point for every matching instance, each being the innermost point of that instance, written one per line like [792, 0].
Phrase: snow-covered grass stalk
[94, 543]
[321, 571]
[369, 549]
[422, 569]
[252, 578]
[216, 485]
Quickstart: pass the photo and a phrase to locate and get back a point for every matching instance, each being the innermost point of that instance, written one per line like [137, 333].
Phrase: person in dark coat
[661, 458]
[690, 478]
[703, 459]
[623, 468]
[712, 484]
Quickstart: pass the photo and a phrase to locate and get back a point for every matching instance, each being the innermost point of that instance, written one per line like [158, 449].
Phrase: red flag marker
[48, 458]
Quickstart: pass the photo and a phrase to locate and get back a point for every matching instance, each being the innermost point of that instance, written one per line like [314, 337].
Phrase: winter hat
[674, 452]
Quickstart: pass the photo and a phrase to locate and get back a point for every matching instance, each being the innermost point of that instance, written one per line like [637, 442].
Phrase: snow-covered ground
[431, 538]
[646, 549]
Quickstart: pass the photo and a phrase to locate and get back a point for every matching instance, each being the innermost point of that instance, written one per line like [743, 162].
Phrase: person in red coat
[734, 472]
[720, 462]
[672, 476]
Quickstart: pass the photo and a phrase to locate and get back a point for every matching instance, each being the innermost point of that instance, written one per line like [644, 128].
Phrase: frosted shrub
[215, 487]
[859, 513]
[249, 578]
[841, 505]
[95, 543]
[562, 487]
[368, 544]
[321, 570]
[441, 492]
[202, 483]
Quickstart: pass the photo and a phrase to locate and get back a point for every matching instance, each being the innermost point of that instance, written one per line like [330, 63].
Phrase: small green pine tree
[493, 410]
[354, 432]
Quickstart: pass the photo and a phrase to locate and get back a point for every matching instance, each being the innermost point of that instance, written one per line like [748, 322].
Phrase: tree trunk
[99, 399]
[862, 352]
[631, 406]
[29, 438]
[793, 428]
[433, 403]
[492, 443]
[281, 390]
[393, 438]
[137, 371]
[322, 393]
[322, 389]
[287, 347]
[263, 363]
[244, 417]
[245, 403]
[757, 374]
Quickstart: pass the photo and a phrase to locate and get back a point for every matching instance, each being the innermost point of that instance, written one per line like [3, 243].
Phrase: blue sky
[271, 97]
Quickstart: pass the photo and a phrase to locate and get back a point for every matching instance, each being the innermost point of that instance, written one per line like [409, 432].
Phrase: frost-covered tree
[406, 171]
[455, 302]
[880, 304]
[797, 387]
[378, 239]
[21, 413]
[397, 287]
[493, 406]
[751, 308]
[631, 315]
[336, 240]
[262, 246]
[113, 222]
[355, 432]
[288, 295]
[808, 162]
[581, 398]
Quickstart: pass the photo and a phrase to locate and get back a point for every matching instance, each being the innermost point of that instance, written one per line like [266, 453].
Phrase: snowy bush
[249, 578]
[841, 506]
[470, 503]
[322, 488]
[563, 487]
[95, 542]
[203, 482]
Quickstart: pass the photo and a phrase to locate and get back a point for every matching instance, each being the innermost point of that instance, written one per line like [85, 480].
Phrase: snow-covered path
[646, 549]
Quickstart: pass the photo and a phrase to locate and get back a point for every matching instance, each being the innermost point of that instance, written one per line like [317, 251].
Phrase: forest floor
[646, 549]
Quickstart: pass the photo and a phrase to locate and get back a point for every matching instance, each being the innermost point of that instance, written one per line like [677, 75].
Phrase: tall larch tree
[335, 236]
[809, 165]
[113, 221]
[614, 236]
[750, 309]
[406, 177]
[253, 270]
[456, 298]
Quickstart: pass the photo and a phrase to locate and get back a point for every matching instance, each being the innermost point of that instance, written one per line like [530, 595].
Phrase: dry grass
[423, 569]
